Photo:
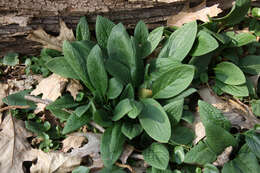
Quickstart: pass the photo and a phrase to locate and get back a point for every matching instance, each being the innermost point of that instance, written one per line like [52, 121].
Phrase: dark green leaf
[35, 127]
[96, 70]
[82, 31]
[250, 64]
[229, 73]
[103, 29]
[236, 14]
[253, 141]
[255, 104]
[112, 144]
[114, 88]
[131, 130]
[141, 33]
[181, 41]
[182, 95]
[178, 155]
[173, 82]
[241, 39]
[81, 110]
[60, 66]
[137, 108]
[102, 118]
[200, 154]
[204, 44]
[155, 121]
[18, 99]
[121, 109]
[157, 156]
[112, 169]
[235, 90]
[128, 92]
[174, 111]
[74, 122]
[60, 114]
[181, 135]
[63, 102]
[209, 168]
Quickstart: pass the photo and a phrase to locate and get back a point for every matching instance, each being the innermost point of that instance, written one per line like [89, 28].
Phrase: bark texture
[19, 17]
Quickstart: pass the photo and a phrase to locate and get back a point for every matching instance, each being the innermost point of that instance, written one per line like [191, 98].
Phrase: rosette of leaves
[123, 94]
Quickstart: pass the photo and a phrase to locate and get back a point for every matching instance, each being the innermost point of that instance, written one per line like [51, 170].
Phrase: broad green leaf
[137, 108]
[152, 42]
[256, 12]
[34, 127]
[200, 154]
[155, 170]
[255, 105]
[173, 82]
[188, 117]
[82, 30]
[65, 101]
[118, 70]
[230, 54]
[128, 92]
[81, 169]
[253, 141]
[229, 73]
[181, 41]
[182, 95]
[112, 145]
[102, 118]
[155, 121]
[18, 99]
[103, 29]
[178, 155]
[131, 130]
[235, 90]
[210, 114]
[236, 15]
[11, 59]
[121, 50]
[74, 122]
[162, 65]
[60, 114]
[157, 156]
[96, 70]
[241, 39]
[75, 54]
[121, 109]
[60, 66]
[140, 34]
[114, 88]
[250, 64]
[174, 111]
[243, 163]
[218, 138]
[209, 168]
[204, 44]
[181, 135]
[81, 110]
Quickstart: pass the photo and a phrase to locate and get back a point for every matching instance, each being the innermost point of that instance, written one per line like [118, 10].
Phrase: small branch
[137, 156]
[101, 129]
[37, 100]
[125, 166]
[14, 107]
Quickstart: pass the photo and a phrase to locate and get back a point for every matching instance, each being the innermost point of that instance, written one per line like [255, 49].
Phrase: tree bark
[19, 17]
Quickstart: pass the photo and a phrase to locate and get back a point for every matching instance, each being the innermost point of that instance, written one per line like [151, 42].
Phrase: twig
[14, 107]
[137, 156]
[37, 100]
[101, 129]
[125, 166]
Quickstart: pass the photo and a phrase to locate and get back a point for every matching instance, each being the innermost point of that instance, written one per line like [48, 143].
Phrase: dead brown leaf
[200, 12]
[198, 128]
[74, 87]
[13, 145]
[3, 92]
[72, 141]
[51, 88]
[52, 42]
[223, 157]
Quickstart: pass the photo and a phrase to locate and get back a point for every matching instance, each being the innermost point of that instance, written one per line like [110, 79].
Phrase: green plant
[144, 102]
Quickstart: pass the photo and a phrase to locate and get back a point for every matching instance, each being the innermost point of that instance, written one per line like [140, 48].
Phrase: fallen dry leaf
[72, 141]
[52, 42]
[236, 113]
[3, 92]
[51, 88]
[74, 87]
[223, 157]
[200, 12]
[13, 145]
[198, 128]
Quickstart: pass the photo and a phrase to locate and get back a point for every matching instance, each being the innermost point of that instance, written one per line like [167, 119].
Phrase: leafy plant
[146, 101]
